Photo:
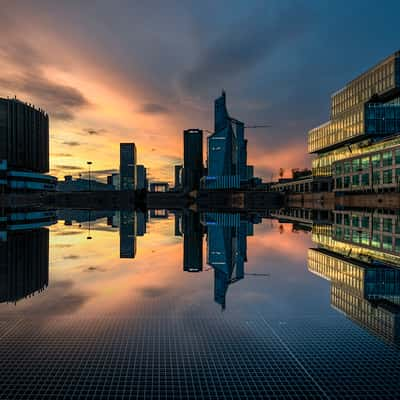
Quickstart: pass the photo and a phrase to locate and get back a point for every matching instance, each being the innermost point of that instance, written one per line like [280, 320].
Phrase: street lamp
[89, 163]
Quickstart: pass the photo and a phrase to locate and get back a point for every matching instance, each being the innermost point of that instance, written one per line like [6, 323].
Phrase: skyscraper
[127, 166]
[24, 147]
[227, 150]
[141, 177]
[193, 159]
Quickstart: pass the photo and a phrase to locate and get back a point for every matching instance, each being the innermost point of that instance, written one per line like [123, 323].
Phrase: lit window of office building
[365, 111]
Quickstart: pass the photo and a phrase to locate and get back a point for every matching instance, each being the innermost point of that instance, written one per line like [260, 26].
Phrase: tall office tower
[363, 112]
[192, 241]
[24, 264]
[24, 136]
[192, 159]
[127, 166]
[141, 177]
[226, 149]
[178, 170]
[127, 234]
[24, 147]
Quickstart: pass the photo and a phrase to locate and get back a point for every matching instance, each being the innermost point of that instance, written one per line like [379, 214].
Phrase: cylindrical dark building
[193, 159]
[24, 264]
[24, 136]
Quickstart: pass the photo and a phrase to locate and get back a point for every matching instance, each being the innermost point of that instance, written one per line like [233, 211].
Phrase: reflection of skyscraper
[24, 263]
[193, 159]
[127, 166]
[226, 250]
[140, 223]
[366, 293]
[127, 235]
[192, 242]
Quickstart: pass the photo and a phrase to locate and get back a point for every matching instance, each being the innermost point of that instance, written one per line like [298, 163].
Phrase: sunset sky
[142, 71]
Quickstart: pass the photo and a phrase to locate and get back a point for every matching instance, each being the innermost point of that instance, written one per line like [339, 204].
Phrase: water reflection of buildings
[24, 254]
[359, 256]
[131, 224]
[226, 246]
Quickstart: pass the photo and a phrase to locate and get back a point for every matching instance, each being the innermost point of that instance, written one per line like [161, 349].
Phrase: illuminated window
[387, 176]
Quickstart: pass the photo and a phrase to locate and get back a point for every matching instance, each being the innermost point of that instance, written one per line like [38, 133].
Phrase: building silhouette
[226, 151]
[192, 241]
[178, 178]
[192, 159]
[127, 166]
[24, 263]
[127, 234]
[141, 177]
[24, 147]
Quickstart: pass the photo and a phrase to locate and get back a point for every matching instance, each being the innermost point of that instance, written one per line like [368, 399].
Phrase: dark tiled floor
[197, 358]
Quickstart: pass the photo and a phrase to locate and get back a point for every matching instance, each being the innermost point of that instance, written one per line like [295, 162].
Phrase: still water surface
[188, 305]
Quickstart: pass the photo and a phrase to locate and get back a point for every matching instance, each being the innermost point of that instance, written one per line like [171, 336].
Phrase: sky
[134, 71]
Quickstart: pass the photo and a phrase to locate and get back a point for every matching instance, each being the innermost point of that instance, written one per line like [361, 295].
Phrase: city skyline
[96, 101]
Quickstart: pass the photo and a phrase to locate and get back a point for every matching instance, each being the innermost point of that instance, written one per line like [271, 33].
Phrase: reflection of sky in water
[278, 330]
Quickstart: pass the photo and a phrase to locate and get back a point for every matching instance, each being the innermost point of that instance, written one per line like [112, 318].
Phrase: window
[338, 219]
[347, 167]
[387, 158]
[355, 180]
[355, 221]
[365, 179]
[387, 242]
[376, 224]
[365, 163]
[355, 164]
[397, 156]
[339, 183]
[376, 160]
[397, 245]
[338, 168]
[387, 176]
[346, 182]
[376, 240]
[346, 219]
[376, 179]
[365, 221]
[387, 225]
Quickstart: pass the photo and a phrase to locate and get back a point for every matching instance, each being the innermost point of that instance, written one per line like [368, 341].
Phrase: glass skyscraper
[127, 166]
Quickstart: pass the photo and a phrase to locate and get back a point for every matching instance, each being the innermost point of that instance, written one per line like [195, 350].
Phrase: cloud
[61, 155]
[26, 77]
[91, 131]
[69, 167]
[153, 108]
[71, 257]
[242, 46]
[152, 291]
[72, 143]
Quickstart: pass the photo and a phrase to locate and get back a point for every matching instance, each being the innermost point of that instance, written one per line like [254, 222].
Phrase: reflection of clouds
[72, 257]
[67, 233]
[154, 291]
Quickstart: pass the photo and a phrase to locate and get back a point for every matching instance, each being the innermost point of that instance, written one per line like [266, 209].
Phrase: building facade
[193, 167]
[364, 112]
[226, 151]
[127, 166]
[24, 148]
[141, 177]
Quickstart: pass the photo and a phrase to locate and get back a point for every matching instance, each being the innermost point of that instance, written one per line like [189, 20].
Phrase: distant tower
[193, 159]
[127, 166]
[141, 178]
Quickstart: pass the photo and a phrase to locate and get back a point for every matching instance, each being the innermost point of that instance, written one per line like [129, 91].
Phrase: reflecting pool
[292, 303]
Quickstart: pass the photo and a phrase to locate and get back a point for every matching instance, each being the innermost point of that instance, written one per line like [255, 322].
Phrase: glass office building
[365, 110]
